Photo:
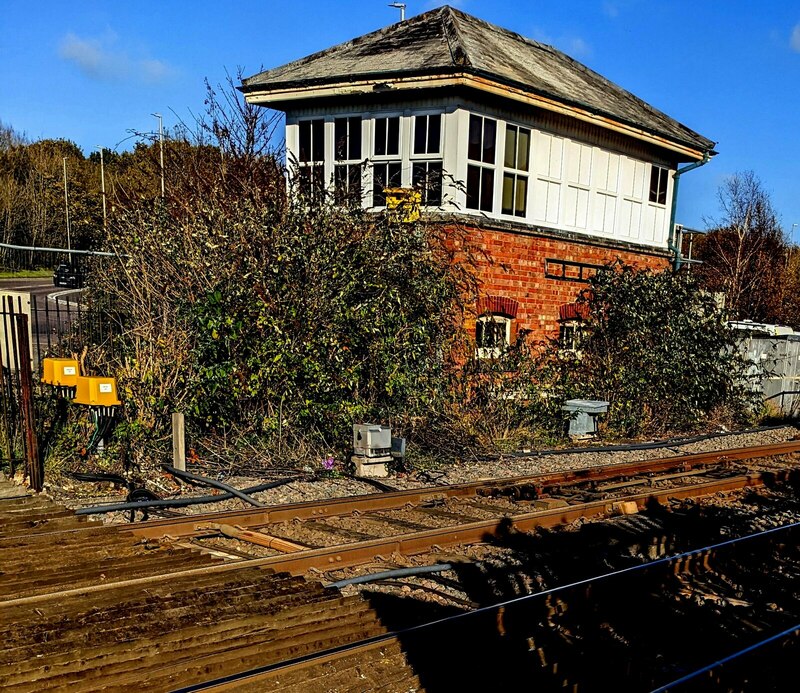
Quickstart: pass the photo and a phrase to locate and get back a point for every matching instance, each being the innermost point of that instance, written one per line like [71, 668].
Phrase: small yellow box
[96, 391]
[402, 204]
[61, 372]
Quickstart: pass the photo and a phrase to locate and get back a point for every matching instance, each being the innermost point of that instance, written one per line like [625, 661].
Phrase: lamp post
[103, 188]
[66, 208]
[161, 148]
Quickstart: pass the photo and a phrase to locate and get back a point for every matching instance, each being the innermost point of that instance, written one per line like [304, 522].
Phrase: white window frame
[426, 155]
[385, 159]
[483, 352]
[482, 165]
[573, 342]
[350, 163]
[515, 172]
[312, 164]
[663, 177]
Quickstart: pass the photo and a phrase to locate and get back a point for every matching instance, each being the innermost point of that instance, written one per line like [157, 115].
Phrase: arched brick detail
[573, 311]
[499, 305]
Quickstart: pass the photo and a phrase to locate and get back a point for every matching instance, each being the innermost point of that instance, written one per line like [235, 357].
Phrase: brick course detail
[513, 273]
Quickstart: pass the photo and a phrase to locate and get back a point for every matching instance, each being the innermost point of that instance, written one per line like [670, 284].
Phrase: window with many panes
[386, 145]
[311, 159]
[347, 152]
[480, 169]
[492, 335]
[570, 334]
[515, 170]
[658, 185]
[426, 167]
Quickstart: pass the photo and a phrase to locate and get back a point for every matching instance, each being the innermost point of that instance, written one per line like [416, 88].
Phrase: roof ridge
[458, 52]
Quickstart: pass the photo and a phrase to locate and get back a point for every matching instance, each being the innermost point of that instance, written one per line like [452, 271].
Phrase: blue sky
[94, 70]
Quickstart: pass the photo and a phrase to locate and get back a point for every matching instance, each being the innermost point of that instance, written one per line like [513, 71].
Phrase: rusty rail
[188, 526]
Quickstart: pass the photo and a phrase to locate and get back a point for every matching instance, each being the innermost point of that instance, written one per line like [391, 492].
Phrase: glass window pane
[418, 173]
[420, 134]
[654, 183]
[340, 137]
[393, 136]
[487, 189]
[480, 334]
[510, 158]
[434, 192]
[474, 149]
[394, 175]
[489, 137]
[523, 149]
[434, 133]
[508, 193]
[521, 196]
[380, 136]
[378, 184]
[318, 140]
[305, 140]
[354, 138]
[473, 186]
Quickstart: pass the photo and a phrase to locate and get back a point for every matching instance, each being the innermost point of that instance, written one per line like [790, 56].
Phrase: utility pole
[161, 147]
[103, 189]
[66, 207]
[400, 6]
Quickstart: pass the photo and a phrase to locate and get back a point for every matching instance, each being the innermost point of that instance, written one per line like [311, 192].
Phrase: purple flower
[328, 463]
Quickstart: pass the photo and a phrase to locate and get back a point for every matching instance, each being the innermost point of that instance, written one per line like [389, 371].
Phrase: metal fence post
[35, 466]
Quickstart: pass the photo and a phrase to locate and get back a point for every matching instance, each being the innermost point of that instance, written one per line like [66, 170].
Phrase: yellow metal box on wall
[402, 204]
[96, 391]
[62, 372]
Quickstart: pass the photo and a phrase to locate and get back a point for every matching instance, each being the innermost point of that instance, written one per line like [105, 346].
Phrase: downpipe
[672, 240]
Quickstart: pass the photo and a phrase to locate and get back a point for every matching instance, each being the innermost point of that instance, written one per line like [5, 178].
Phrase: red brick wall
[515, 269]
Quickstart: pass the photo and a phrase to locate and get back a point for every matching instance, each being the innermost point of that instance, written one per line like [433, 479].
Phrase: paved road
[41, 286]
[55, 308]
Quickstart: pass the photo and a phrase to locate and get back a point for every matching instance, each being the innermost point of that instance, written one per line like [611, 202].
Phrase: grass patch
[25, 274]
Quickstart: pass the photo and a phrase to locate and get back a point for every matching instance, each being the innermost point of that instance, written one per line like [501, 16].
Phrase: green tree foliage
[658, 349]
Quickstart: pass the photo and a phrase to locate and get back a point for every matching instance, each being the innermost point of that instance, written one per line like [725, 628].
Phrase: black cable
[179, 502]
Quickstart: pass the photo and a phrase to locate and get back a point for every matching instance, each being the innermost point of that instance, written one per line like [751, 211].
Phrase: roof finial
[400, 6]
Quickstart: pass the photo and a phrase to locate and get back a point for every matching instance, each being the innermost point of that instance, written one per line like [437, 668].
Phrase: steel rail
[189, 526]
[278, 668]
[357, 553]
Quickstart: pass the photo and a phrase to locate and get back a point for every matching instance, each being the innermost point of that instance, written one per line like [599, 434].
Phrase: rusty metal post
[35, 467]
[5, 432]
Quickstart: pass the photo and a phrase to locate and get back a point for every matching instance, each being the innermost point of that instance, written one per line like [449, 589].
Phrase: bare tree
[745, 254]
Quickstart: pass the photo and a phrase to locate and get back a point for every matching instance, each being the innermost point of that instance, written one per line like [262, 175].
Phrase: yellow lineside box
[96, 391]
[402, 204]
[62, 372]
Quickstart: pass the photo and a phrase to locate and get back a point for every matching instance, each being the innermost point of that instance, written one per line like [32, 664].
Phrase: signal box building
[552, 169]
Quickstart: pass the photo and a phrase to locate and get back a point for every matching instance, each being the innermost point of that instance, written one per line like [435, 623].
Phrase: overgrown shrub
[272, 319]
[658, 349]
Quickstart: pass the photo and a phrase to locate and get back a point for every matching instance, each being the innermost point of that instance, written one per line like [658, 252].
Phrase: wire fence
[33, 327]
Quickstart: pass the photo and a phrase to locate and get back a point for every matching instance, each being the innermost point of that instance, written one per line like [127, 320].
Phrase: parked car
[71, 276]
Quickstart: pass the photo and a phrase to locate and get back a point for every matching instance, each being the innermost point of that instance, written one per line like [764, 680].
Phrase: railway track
[344, 532]
[183, 601]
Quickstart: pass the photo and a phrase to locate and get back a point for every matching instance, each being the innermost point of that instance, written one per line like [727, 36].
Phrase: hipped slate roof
[446, 41]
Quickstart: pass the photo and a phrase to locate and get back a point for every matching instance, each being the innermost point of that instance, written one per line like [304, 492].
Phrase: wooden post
[35, 467]
[178, 442]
